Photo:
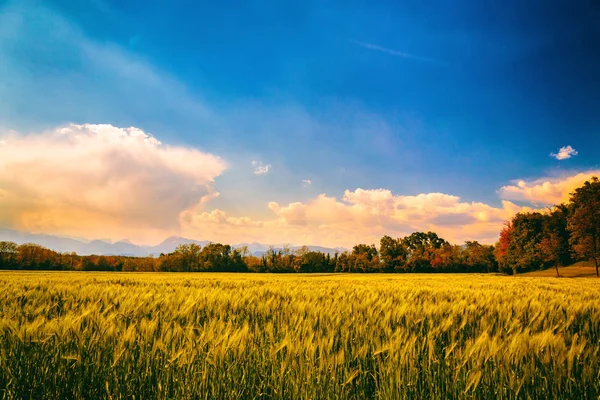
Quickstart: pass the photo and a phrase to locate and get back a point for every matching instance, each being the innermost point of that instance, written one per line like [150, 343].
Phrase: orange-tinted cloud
[546, 191]
[360, 216]
[100, 180]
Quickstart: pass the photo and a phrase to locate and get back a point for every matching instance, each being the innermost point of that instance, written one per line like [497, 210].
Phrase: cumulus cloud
[565, 153]
[364, 216]
[546, 191]
[306, 182]
[101, 179]
[260, 168]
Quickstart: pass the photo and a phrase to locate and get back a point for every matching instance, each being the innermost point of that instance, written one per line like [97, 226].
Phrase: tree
[522, 253]
[584, 221]
[501, 248]
[479, 257]
[421, 250]
[343, 262]
[554, 246]
[447, 258]
[312, 261]
[8, 252]
[392, 253]
[363, 258]
[189, 256]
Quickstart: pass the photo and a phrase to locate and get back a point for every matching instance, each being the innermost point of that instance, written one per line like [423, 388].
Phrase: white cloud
[565, 153]
[260, 168]
[306, 182]
[101, 179]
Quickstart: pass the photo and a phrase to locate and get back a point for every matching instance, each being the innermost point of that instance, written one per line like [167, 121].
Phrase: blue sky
[459, 98]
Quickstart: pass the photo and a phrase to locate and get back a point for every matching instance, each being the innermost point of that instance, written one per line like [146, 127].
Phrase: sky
[312, 122]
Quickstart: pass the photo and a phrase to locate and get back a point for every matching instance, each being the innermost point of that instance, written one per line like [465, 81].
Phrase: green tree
[392, 253]
[479, 257]
[421, 250]
[584, 221]
[526, 234]
[554, 247]
[189, 256]
[8, 252]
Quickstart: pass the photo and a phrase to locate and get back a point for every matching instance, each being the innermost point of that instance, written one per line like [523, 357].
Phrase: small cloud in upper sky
[564, 153]
[260, 168]
[306, 182]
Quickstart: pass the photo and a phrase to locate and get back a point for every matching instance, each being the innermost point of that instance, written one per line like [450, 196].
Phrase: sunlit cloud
[306, 182]
[101, 181]
[546, 191]
[361, 216]
[565, 153]
[260, 168]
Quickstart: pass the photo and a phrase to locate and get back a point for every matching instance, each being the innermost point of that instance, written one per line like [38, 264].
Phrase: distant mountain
[125, 247]
[56, 243]
[171, 243]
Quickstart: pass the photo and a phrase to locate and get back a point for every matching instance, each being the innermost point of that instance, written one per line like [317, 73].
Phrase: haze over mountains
[125, 247]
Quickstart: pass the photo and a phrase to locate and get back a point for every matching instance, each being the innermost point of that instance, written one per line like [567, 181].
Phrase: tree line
[534, 240]
[419, 252]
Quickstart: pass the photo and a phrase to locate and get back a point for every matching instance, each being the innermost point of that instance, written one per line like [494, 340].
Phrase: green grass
[180, 336]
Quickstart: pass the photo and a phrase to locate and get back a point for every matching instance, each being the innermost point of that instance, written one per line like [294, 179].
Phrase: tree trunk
[557, 274]
[596, 262]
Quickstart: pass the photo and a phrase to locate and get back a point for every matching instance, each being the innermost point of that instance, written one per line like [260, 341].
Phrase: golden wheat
[103, 335]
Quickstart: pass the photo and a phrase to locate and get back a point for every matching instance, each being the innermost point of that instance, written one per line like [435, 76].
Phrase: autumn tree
[364, 258]
[501, 247]
[584, 221]
[447, 258]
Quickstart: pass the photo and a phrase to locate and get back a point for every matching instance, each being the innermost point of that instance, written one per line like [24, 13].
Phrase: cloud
[260, 168]
[565, 153]
[546, 191]
[101, 179]
[362, 216]
[396, 53]
[306, 182]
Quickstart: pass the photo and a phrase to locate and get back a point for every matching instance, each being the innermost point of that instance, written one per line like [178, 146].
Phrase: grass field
[212, 336]
[582, 269]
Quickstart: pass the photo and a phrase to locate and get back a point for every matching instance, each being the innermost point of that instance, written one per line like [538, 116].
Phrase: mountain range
[125, 247]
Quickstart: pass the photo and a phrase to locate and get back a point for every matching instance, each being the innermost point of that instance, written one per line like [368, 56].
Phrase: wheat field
[76, 335]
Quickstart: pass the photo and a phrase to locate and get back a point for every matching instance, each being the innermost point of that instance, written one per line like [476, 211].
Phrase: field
[212, 336]
[578, 270]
